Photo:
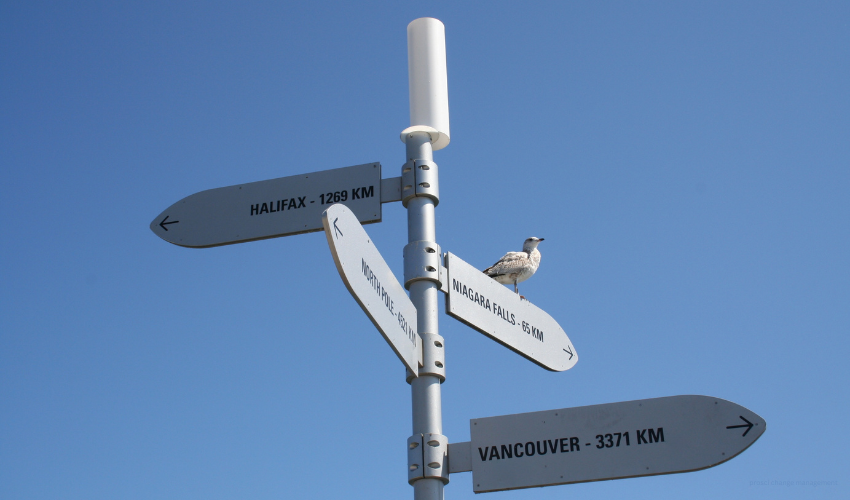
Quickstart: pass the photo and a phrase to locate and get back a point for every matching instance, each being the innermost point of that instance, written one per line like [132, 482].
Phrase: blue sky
[686, 163]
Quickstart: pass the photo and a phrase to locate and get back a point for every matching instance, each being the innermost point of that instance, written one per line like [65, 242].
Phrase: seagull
[515, 267]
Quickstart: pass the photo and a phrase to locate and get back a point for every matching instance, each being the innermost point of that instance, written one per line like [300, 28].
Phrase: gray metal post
[422, 257]
[427, 448]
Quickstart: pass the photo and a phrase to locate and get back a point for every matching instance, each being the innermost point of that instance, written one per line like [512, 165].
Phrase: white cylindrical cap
[429, 87]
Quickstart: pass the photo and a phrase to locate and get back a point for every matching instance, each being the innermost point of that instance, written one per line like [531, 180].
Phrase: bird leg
[516, 291]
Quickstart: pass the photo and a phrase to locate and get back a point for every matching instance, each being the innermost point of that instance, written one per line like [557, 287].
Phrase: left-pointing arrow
[254, 211]
[336, 229]
[163, 223]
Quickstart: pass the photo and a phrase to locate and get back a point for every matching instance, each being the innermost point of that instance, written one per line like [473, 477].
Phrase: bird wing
[512, 262]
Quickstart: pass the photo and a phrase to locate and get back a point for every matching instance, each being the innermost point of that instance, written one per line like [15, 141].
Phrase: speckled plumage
[516, 267]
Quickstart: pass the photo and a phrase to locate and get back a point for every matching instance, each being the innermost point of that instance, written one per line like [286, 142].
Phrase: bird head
[531, 243]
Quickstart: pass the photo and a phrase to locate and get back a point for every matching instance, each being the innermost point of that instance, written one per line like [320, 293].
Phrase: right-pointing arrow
[570, 352]
[748, 425]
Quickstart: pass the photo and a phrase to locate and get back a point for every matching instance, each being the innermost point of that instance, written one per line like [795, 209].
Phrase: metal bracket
[391, 190]
[419, 178]
[422, 262]
[433, 356]
[427, 457]
[444, 275]
[460, 457]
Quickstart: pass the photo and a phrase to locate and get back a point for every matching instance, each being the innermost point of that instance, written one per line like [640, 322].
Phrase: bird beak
[541, 239]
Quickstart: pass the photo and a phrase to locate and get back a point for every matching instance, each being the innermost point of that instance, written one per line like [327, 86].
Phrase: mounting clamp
[433, 357]
[422, 262]
[419, 178]
[427, 457]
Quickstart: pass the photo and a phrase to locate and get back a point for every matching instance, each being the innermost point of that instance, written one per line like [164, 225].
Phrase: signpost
[487, 306]
[269, 209]
[372, 284]
[591, 443]
[610, 441]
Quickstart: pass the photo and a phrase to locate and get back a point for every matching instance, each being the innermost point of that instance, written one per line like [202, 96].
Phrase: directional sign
[373, 285]
[610, 441]
[272, 208]
[487, 306]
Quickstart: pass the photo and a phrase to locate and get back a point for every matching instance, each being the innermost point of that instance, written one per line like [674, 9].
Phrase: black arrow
[570, 352]
[748, 425]
[163, 223]
[336, 229]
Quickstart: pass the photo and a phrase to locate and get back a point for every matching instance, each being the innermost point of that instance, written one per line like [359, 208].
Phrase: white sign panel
[269, 209]
[610, 441]
[373, 285]
[487, 306]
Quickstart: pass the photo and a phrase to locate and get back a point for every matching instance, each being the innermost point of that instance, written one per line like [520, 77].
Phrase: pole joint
[433, 357]
[427, 457]
[422, 261]
[420, 178]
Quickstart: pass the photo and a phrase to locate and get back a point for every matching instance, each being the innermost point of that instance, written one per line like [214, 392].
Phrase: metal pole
[423, 265]
[425, 389]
